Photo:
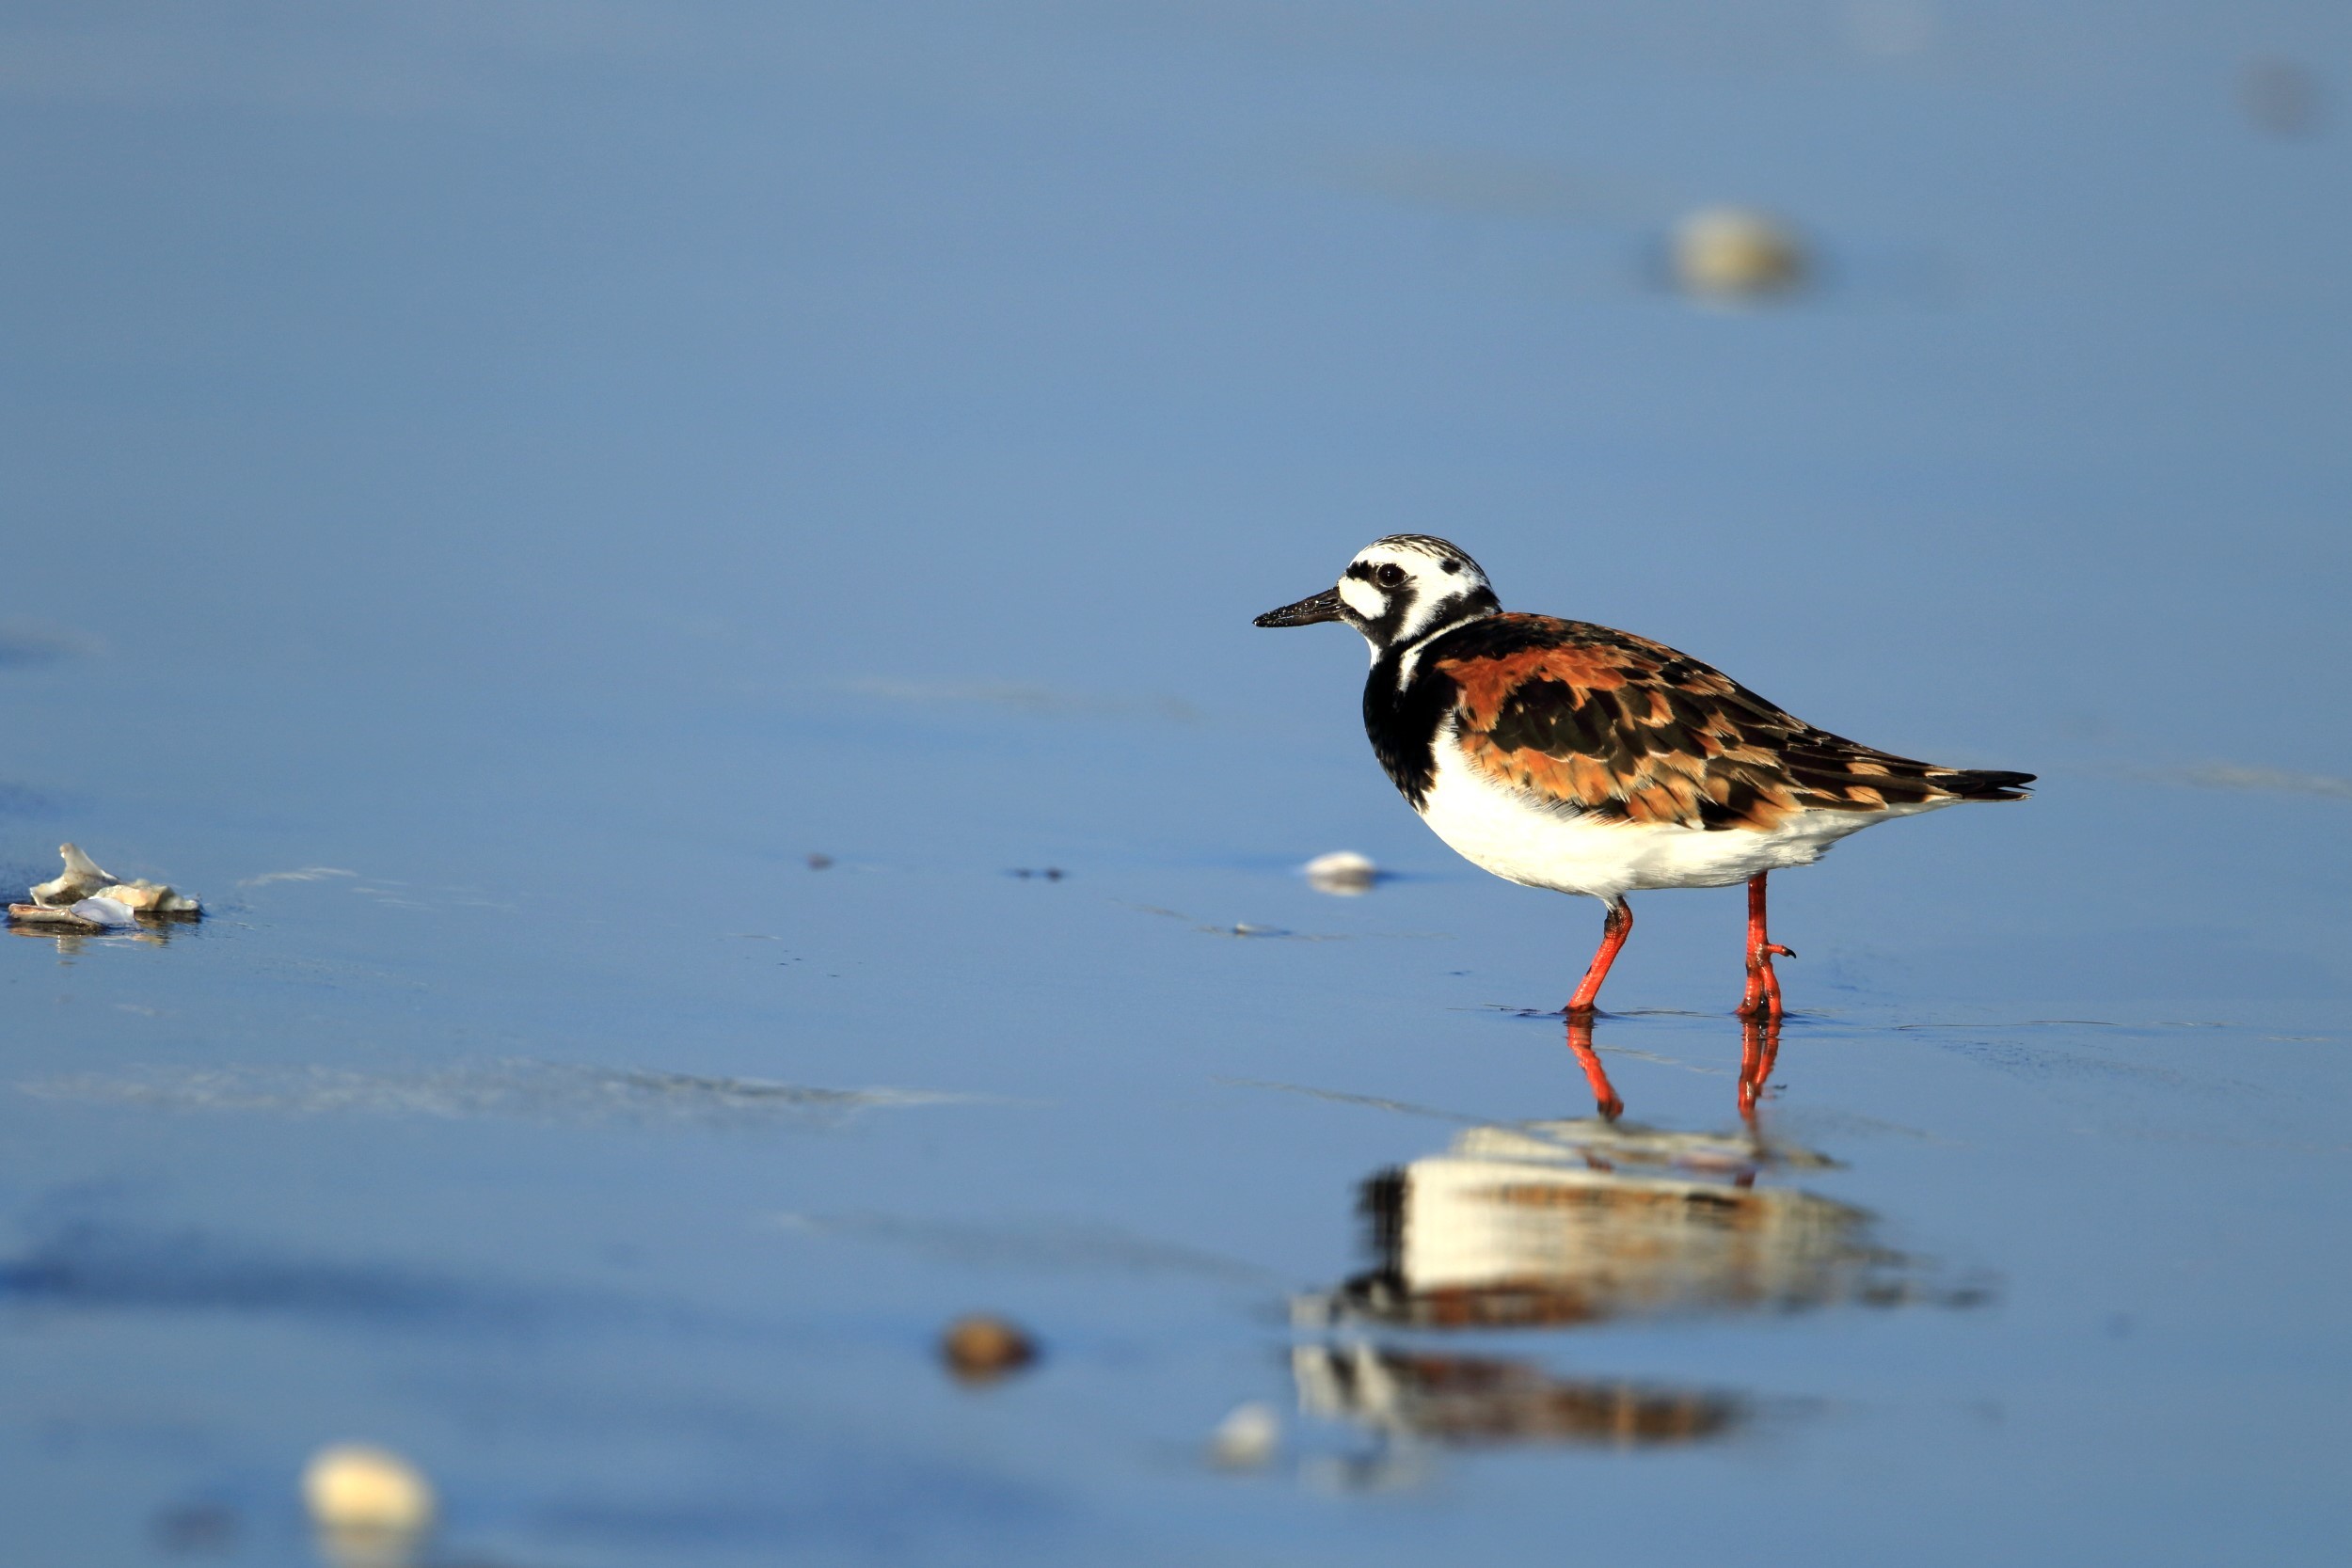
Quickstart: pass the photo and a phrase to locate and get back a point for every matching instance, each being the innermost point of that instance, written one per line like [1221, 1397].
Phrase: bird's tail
[1980, 783]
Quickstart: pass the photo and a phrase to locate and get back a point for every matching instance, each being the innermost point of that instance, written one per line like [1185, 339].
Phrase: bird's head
[1398, 591]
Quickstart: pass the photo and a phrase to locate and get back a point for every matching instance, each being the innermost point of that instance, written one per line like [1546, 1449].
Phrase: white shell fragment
[104, 912]
[82, 876]
[369, 1503]
[1737, 253]
[86, 881]
[149, 898]
[1343, 873]
[1247, 1439]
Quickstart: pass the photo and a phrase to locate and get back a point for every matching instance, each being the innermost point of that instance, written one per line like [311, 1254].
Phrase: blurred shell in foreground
[371, 1507]
[1247, 1439]
[1737, 253]
[1343, 872]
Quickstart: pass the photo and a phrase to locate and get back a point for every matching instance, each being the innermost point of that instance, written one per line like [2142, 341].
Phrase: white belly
[1522, 842]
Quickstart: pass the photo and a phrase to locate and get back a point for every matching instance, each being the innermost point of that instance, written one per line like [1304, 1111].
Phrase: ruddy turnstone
[1566, 755]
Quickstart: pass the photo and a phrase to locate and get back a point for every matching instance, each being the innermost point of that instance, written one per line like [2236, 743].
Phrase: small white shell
[1343, 873]
[360, 1488]
[104, 912]
[1737, 253]
[1247, 1439]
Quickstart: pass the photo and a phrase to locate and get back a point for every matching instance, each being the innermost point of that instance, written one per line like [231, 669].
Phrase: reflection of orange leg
[1762, 997]
[1760, 1048]
[1604, 1097]
[1614, 929]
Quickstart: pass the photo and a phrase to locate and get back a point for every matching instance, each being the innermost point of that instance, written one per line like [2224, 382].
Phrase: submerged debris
[89, 898]
[2282, 97]
[981, 1349]
[542, 1091]
[193, 1529]
[1343, 873]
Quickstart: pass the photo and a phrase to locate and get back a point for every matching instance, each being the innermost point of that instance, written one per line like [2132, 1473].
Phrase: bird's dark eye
[1390, 575]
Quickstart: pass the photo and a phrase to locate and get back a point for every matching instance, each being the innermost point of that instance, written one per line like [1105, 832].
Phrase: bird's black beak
[1306, 612]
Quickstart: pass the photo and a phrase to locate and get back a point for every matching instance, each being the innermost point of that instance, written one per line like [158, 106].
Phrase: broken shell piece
[104, 912]
[1343, 872]
[148, 898]
[82, 876]
[85, 878]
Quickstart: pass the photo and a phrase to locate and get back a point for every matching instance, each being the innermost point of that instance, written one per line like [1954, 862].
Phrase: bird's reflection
[1573, 1224]
[1478, 1400]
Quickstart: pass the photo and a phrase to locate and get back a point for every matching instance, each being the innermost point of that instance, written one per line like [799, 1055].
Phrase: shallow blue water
[543, 476]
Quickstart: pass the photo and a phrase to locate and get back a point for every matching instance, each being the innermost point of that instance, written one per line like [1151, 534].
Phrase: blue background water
[560, 466]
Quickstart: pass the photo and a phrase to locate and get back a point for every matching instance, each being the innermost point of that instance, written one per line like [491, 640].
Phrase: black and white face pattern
[1403, 588]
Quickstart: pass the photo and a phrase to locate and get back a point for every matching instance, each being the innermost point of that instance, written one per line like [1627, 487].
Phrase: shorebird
[1567, 755]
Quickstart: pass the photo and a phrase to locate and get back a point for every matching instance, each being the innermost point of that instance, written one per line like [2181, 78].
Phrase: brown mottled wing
[1628, 730]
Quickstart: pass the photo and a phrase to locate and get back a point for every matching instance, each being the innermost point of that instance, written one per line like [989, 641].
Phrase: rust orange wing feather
[1608, 724]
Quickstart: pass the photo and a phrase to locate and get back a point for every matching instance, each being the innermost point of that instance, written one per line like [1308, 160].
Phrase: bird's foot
[1762, 999]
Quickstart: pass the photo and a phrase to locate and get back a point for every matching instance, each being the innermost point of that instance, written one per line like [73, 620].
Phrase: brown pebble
[981, 1349]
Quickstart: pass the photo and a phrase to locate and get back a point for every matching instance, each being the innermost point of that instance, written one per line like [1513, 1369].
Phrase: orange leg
[1760, 1048]
[1605, 1099]
[1762, 997]
[1614, 929]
